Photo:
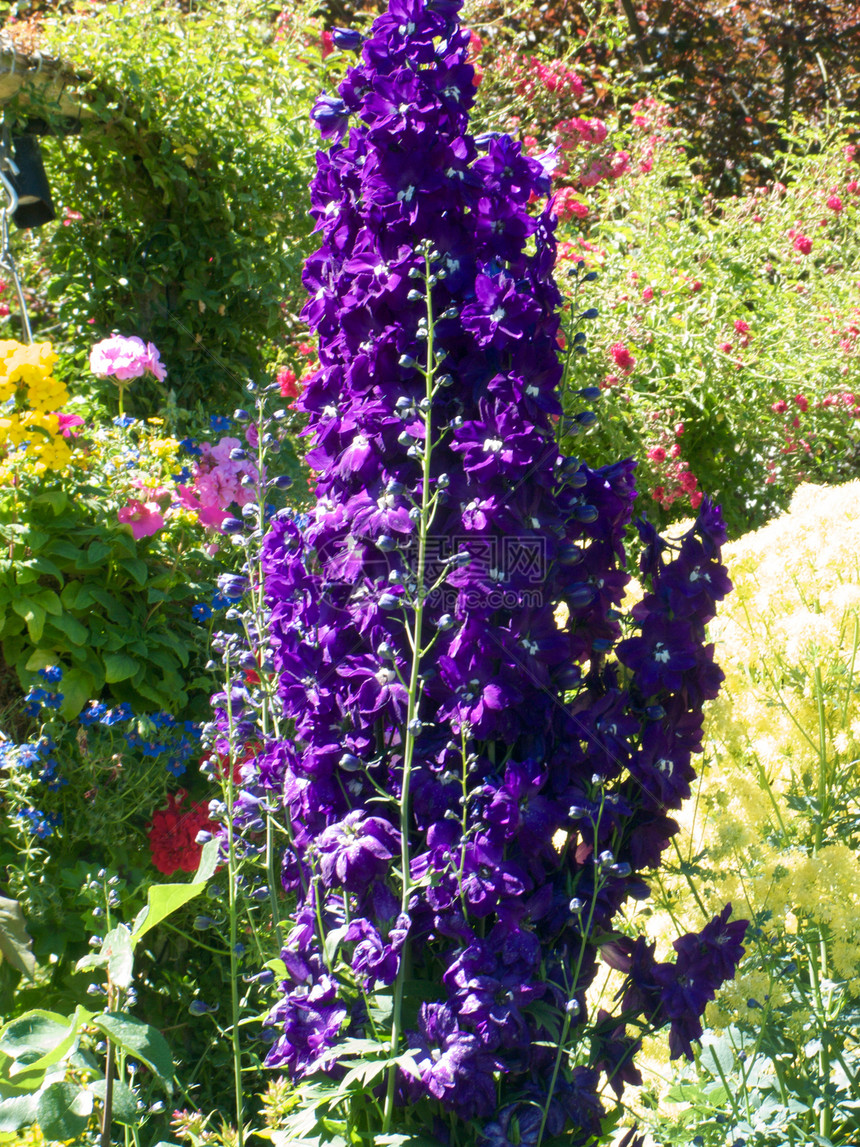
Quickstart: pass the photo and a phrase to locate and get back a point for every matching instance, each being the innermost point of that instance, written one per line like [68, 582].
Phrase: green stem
[233, 915]
[413, 698]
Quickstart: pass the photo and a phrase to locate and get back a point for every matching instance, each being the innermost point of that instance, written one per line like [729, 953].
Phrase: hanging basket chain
[7, 210]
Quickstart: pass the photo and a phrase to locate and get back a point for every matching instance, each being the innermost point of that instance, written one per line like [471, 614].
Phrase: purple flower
[310, 1019]
[500, 312]
[356, 850]
[477, 723]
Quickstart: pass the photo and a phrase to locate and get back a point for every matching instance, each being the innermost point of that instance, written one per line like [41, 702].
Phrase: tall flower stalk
[481, 762]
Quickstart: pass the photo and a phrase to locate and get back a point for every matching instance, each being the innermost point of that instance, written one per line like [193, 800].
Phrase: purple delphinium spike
[522, 727]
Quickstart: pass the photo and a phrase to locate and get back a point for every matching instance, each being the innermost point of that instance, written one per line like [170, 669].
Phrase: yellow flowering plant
[775, 829]
[31, 425]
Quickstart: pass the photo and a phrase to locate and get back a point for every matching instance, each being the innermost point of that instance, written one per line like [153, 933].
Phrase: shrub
[727, 333]
[182, 193]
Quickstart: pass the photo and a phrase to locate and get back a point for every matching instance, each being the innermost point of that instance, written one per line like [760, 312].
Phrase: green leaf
[61, 548]
[119, 667]
[49, 601]
[137, 568]
[71, 627]
[67, 1044]
[78, 687]
[139, 1040]
[123, 1100]
[33, 614]
[97, 552]
[116, 946]
[63, 1110]
[56, 499]
[36, 1031]
[18, 1111]
[15, 945]
[162, 900]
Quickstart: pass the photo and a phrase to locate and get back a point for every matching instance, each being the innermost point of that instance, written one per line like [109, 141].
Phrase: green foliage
[80, 592]
[741, 365]
[184, 187]
[48, 1073]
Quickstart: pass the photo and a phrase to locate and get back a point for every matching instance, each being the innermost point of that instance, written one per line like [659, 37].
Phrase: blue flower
[41, 823]
[27, 755]
[93, 713]
[201, 612]
[52, 674]
[122, 712]
[123, 421]
[183, 475]
[175, 767]
[219, 422]
[190, 447]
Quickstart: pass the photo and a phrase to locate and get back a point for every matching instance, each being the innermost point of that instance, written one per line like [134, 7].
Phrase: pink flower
[657, 454]
[724, 347]
[67, 421]
[144, 519]
[779, 407]
[834, 203]
[566, 205]
[4, 310]
[679, 429]
[647, 294]
[696, 285]
[622, 357]
[688, 481]
[658, 493]
[70, 217]
[741, 327]
[852, 187]
[801, 401]
[802, 244]
[696, 499]
[125, 358]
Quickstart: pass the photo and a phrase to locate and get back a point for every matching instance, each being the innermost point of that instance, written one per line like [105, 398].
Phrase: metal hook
[12, 205]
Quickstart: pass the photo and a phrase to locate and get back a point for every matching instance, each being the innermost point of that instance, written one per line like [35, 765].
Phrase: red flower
[173, 833]
[286, 380]
[622, 357]
[802, 244]
[834, 203]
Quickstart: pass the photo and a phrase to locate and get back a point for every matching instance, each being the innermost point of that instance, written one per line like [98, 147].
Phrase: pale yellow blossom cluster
[770, 826]
[30, 400]
[783, 750]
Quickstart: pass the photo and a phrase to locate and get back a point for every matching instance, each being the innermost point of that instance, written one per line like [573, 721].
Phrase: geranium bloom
[173, 832]
[126, 358]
